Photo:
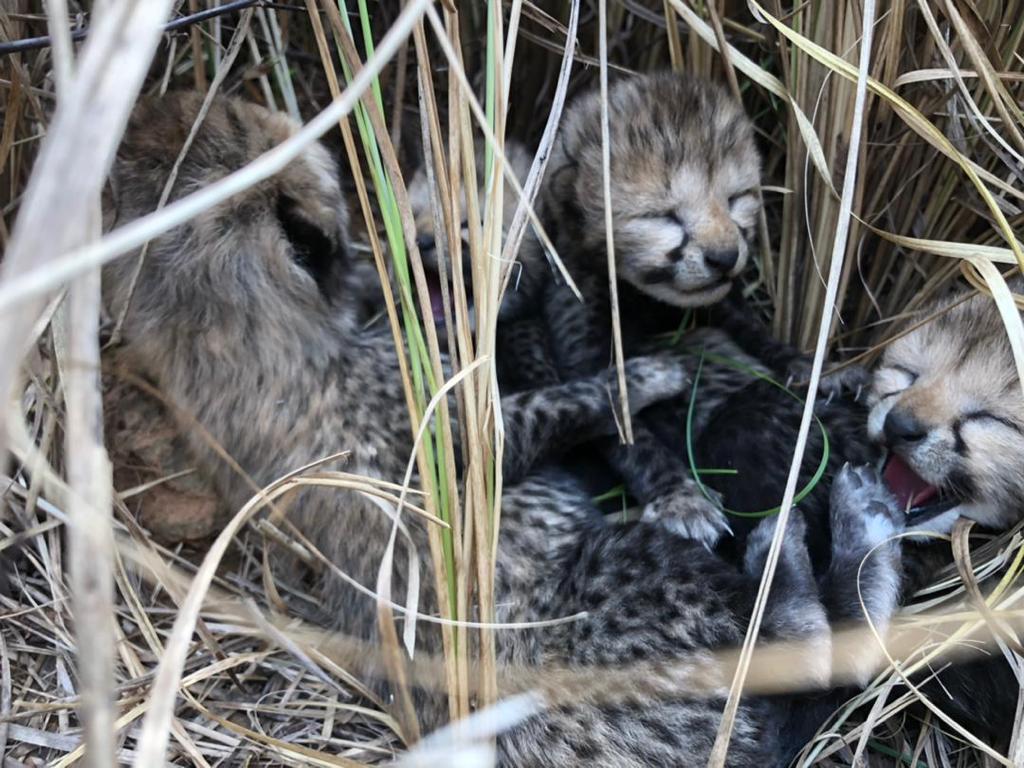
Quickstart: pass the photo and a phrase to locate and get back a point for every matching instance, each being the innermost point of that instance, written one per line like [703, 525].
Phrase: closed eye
[911, 375]
[668, 217]
[674, 220]
[907, 372]
[983, 415]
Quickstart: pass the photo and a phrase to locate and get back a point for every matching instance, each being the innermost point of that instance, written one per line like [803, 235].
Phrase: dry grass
[932, 190]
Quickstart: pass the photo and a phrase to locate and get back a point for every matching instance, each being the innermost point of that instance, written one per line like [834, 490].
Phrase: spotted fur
[244, 320]
[684, 186]
[734, 414]
[652, 596]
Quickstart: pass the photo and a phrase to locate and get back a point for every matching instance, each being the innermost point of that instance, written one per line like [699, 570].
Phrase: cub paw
[851, 379]
[688, 513]
[864, 513]
[848, 380]
[653, 378]
[760, 540]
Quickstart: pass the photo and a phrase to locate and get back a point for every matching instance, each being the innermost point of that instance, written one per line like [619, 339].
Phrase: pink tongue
[436, 300]
[906, 485]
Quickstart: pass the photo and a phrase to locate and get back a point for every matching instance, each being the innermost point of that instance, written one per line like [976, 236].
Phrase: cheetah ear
[312, 248]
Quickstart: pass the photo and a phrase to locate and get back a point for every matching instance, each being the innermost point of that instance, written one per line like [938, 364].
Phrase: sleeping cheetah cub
[652, 596]
[684, 180]
[528, 271]
[524, 358]
[947, 404]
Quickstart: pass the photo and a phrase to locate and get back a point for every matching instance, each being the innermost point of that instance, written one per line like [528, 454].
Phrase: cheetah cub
[653, 596]
[947, 404]
[528, 270]
[684, 198]
[524, 360]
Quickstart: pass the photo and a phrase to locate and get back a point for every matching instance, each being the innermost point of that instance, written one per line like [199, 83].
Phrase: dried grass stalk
[90, 478]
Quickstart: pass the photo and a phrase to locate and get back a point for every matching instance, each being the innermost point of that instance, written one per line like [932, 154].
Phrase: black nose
[425, 242]
[902, 427]
[722, 259]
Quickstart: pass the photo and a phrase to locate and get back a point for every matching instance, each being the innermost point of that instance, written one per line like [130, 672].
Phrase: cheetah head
[421, 201]
[685, 177]
[947, 403]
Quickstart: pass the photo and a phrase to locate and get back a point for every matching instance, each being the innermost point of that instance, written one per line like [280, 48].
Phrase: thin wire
[35, 43]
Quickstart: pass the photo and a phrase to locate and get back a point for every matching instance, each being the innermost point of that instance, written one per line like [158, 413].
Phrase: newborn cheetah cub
[684, 199]
[652, 596]
[684, 185]
[947, 404]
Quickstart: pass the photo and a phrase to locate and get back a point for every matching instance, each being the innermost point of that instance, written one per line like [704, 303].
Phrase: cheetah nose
[722, 259]
[902, 427]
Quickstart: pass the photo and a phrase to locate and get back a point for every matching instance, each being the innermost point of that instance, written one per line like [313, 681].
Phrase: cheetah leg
[659, 479]
[794, 610]
[864, 576]
[541, 421]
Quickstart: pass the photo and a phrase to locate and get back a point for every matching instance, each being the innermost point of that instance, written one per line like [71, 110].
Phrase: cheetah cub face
[421, 203]
[946, 402]
[684, 185]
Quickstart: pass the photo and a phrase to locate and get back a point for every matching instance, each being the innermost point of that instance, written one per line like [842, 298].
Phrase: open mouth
[433, 279]
[436, 297]
[916, 496]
